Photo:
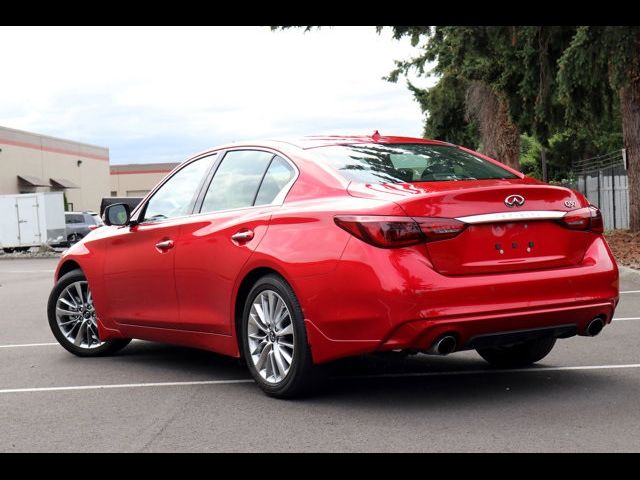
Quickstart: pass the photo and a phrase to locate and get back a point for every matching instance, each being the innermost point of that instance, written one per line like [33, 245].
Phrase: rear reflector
[396, 232]
[589, 218]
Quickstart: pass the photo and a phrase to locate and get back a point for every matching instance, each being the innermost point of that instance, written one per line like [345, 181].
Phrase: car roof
[314, 141]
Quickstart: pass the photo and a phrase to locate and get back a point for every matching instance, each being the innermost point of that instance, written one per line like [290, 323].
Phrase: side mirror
[117, 214]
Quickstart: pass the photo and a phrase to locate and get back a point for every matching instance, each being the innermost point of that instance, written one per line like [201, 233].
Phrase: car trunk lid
[511, 225]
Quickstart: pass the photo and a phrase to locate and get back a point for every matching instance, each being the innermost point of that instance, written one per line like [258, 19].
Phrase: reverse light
[586, 219]
[396, 232]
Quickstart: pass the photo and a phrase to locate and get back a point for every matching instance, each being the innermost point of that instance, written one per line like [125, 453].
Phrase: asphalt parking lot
[584, 396]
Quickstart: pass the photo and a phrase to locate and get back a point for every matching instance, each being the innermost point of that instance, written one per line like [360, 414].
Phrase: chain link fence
[603, 180]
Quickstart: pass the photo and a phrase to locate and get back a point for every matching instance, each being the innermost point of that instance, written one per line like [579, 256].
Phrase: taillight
[395, 232]
[589, 218]
[440, 228]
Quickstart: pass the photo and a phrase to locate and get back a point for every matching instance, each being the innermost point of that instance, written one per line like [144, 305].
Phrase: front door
[215, 245]
[139, 268]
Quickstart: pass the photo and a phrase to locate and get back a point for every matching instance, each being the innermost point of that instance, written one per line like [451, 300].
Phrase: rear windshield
[408, 162]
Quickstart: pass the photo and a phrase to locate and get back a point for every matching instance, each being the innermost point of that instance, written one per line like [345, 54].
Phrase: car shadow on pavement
[363, 380]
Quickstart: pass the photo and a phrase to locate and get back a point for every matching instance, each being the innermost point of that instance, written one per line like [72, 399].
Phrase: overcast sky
[162, 94]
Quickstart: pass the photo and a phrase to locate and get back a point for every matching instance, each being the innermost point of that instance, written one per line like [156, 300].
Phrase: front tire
[518, 355]
[274, 341]
[73, 321]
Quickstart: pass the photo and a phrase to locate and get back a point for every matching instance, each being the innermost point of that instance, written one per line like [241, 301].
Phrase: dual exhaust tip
[448, 343]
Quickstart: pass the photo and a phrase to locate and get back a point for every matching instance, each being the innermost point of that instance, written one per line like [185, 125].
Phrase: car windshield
[407, 163]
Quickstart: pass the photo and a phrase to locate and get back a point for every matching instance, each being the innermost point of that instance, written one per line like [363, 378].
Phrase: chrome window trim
[277, 202]
[511, 216]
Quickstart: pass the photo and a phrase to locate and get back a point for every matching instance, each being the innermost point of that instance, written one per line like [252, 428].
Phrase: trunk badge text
[570, 203]
[514, 201]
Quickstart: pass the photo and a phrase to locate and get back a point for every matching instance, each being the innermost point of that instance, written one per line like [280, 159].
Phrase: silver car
[79, 224]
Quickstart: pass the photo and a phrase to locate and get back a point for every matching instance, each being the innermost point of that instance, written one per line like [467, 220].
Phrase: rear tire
[72, 318]
[518, 355]
[274, 342]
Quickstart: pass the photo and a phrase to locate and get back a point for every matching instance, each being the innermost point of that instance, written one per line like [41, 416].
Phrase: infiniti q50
[293, 253]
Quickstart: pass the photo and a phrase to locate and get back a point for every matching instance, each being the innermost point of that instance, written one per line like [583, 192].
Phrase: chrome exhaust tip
[443, 346]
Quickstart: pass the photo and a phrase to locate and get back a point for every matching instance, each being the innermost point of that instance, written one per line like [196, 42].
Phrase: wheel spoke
[288, 358]
[282, 368]
[272, 365]
[62, 311]
[263, 357]
[257, 321]
[288, 330]
[80, 335]
[284, 343]
[259, 347]
[264, 305]
[73, 320]
[67, 303]
[259, 308]
[79, 292]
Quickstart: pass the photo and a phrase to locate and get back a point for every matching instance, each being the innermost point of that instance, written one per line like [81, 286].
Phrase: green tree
[602, 66]
[510, 75]
[445, 115]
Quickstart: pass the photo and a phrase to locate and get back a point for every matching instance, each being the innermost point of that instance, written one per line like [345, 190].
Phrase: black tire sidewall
[519, 355]
[109, 347]
[299, 376]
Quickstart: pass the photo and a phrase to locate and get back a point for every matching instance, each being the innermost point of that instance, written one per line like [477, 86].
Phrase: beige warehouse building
[30, 162]
[137, 179]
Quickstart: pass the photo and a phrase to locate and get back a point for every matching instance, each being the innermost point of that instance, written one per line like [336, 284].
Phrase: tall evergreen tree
[602, 65]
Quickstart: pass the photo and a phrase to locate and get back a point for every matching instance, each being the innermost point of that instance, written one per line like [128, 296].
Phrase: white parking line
[27, 271]
[354, 377]
[20, 345]
[631, 291]
[125, 385]
[491, 372]
[622, 319]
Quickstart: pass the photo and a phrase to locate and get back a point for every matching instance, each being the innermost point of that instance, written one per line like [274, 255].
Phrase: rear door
[139, 269]
[235, 212]
[28, 224]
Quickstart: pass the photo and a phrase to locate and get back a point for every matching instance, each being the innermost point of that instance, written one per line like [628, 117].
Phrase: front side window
[407, 163]
[175, 198]
[236, 180]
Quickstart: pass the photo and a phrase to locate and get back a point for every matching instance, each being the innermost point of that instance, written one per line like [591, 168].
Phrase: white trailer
[31, 219]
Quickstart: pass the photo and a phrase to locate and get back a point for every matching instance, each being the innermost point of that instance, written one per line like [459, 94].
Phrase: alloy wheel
[76, 316]
[271, 336]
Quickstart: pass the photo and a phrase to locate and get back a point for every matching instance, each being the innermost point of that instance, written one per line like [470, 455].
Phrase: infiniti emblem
[514, 201]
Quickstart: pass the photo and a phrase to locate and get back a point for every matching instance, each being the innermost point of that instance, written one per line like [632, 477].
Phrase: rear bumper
[392, 299]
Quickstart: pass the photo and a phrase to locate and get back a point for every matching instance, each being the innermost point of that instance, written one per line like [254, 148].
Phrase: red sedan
[294, 253]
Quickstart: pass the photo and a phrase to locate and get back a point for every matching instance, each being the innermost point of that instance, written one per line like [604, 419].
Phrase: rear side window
[236, 181]
[278, 176]
[74, 218]
[407, 163]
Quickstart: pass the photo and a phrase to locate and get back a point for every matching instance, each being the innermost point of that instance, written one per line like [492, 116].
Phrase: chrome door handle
[164, 245]
[242, 236]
